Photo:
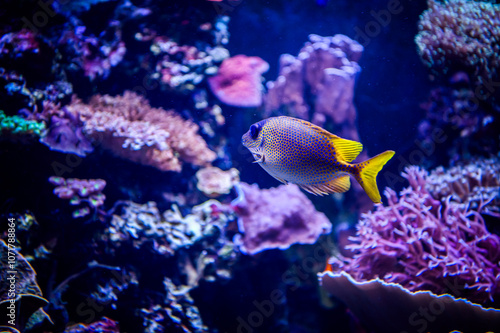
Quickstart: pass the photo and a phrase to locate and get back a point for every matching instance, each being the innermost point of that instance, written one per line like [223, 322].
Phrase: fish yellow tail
[367, 174]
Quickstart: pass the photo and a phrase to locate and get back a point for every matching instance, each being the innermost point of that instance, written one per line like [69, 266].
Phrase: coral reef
[326, 69]
[183, 67]
[469, 124]
[94, 55]
[129, 127]
[238, 81]
[84, 192]
[277, 218]
[214, 182]
[64, 130]
[179, 314]
[389, 308]
[461, 35]
[17, 126]
[142, 225]
[422, 244]
[475, 184]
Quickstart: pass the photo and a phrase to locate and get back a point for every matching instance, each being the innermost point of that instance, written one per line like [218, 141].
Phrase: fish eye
[254, 131]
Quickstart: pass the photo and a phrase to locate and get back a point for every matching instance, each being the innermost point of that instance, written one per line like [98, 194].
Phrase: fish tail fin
[367, 174]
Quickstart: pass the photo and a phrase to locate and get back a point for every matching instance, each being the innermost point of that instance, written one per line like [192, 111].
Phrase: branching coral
[423, 244]
[129, 127]
[461, 34]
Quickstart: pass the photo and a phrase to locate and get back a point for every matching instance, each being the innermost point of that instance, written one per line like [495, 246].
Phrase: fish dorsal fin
[337, 185]
[347, 150]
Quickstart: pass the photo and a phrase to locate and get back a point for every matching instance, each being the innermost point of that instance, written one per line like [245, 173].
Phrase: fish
[296, 151]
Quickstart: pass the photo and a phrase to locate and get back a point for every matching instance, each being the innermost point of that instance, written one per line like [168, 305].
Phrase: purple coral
[87, 193]
[277, 218]
[64, 132]
[95, 56]
[421, 244]
[327, 67]
[461, 34]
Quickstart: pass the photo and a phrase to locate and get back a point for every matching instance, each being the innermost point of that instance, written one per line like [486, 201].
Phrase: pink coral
[129, 127]
[238, 81]
[421, 244]
[327, 67]
[277, 218]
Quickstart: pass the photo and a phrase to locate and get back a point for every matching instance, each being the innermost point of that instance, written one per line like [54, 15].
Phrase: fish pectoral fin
[281, 180]
[337, 185]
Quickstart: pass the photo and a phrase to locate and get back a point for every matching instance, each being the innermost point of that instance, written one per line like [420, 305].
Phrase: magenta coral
[327, 68]
[129, 127]
[421, 244]
[461, 34]
[84, 192]
[238, 81]
[277, 218]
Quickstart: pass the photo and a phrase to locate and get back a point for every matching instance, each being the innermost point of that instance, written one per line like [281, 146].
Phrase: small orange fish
[296, 151]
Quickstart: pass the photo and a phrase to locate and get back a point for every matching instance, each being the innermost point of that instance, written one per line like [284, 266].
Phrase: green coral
[19, 126]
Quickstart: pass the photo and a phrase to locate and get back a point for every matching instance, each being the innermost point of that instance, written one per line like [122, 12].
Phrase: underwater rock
[132, 129]
[277, 218]
[238, 81]
[389, 308]
[214, 182]
[85, 192]
[461, 35]
[327, 67]
[421, 243]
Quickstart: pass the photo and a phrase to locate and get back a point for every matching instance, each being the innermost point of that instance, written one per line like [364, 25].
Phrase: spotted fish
[296, 151]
